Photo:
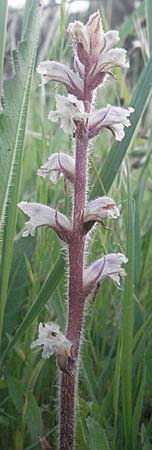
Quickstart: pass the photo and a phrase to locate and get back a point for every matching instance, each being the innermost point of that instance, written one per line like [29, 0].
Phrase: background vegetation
[114, 402]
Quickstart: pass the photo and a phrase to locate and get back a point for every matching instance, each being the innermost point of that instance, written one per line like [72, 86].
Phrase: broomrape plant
[94, 59]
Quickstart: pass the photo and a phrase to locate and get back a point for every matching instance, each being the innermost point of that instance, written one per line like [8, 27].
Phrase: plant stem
[76, 296]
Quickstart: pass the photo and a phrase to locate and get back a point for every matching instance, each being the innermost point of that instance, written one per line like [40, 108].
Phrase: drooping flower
[113, 118]
[70, 111]
[52, 341]
[56, 165]
[107, 267]
[100, 208]
[42, 215]
[54, 71]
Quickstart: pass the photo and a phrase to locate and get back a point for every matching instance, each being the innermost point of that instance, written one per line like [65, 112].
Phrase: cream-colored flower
[54, 71]
[52, 341]
[107, 267]
[114, 118]
[42, 215]
[100, 208]
[110, 59]
[56, 165]
[69, 110]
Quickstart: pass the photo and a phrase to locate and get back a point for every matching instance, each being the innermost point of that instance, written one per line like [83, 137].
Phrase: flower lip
[52, 341]
[58, 164]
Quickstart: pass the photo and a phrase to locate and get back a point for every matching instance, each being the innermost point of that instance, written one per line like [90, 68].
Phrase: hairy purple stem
[76, 295]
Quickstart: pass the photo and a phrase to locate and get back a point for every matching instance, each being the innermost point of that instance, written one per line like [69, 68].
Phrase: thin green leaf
[17, 390]
[138, 273]
[33, 417]
[127, 325]
[137, 411]
[3, 23]
[140, 335]
[97, 436]
[117, 387]
[148, 9]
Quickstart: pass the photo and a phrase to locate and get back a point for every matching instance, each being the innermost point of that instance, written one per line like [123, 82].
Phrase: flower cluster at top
[95, 57]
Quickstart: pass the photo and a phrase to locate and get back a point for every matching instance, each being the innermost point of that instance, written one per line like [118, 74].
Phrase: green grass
[115, 388]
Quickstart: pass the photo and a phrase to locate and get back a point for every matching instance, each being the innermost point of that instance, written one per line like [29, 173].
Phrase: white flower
[42, 215]
[100, 208]
[107, 267]
[54, 71]
[114, 118]
[70, 110]
[110, 59]
[52, 341]
[56, 165]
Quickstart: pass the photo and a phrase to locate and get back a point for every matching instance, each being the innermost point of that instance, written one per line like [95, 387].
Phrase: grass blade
[138, 409]
[3, 23]
[148, 9]
[127, 326]
[13, 124]
[116, 388]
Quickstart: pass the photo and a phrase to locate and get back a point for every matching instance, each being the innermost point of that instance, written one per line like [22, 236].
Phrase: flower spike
[56, 165]
[95, 57]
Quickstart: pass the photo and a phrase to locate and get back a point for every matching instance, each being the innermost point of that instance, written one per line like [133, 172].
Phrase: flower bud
[87, 38]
